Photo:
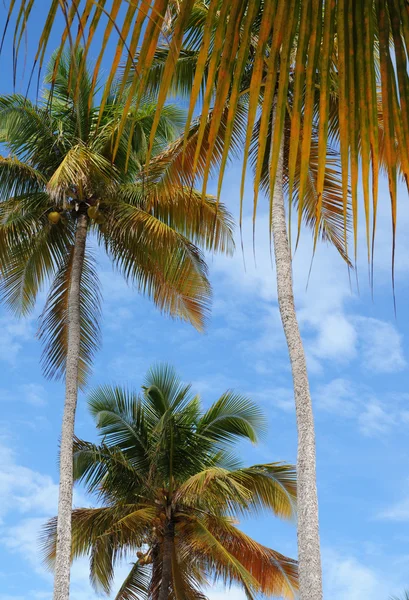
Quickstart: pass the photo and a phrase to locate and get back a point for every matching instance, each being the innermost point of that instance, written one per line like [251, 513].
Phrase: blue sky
[358, 362]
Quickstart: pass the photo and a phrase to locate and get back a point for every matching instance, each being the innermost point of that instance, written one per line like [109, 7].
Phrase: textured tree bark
[63, 553]
[167, 561]
[309, 557]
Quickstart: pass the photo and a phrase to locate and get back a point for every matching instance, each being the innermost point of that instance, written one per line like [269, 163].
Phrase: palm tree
[329, 223]
[64, 182]
[328, 215]
[170, 489]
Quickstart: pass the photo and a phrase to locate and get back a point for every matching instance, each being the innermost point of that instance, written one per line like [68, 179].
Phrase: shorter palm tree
[171, 491]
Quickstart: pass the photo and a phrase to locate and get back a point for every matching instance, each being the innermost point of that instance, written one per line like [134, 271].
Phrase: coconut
[54, 217]
[93, 212]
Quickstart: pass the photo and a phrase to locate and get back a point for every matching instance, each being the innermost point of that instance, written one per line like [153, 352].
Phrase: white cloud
[338, 397]
[373, 415]
[331, 328]
[221, 593]
[13, 333]
[22, 489]
[34, 394]
[346, 578]
[381, 345]
[376, 418]
[399, 510]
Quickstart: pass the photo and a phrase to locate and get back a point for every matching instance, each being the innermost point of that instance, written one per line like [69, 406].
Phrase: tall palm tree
[327, 214]
[329, 223]
[61, 185]
[171, 488]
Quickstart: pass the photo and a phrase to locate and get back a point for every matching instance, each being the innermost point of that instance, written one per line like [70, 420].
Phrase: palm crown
[170, 486]
[64, 159]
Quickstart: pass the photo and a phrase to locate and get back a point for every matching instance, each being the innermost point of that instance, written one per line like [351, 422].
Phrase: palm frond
[163, 264]
[204, 221]
[275, 574]
[53, 320]
[18, 178]
[77, 168]
[136, 584]
[271, 486]
[357, 33]
[97, 467]
[119, 417]
[102, 534]
[232, 416]
[229, 567]
[34, 250]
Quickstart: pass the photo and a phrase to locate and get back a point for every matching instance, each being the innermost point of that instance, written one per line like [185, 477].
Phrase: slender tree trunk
[167, 560]
[63, 555]
[309, 557]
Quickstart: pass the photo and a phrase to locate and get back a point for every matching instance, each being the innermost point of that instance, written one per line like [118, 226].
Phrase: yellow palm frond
[370, 43]
[103, 534]
[202, 220]
[78, 167]
[276, 574]
[164, 264]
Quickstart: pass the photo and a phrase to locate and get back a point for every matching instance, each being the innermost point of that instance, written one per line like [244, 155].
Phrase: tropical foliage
[293, 43]
[59, 163]
[165, 471]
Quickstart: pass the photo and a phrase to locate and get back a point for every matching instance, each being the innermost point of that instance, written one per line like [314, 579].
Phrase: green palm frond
[31, 260]
[18, 178]
[171, 270]
[93, 464]
[136, 584]
[53, 321]
[232, 416]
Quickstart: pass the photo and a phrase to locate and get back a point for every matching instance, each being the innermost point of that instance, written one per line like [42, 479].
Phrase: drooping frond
[185, 159]
[29, 133]
[202, 541]
[103, 534]
[204, 221]
[98, 466]
[276, 574]
[332, 218]
[136, 584]
[270, 486]
[18, 178]
[162, 263]
[31, 251]
[54, 319]
[367, 39]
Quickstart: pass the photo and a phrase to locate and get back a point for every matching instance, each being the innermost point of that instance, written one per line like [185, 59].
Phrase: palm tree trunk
[167, 560]
[63, 553]
[309, 557]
